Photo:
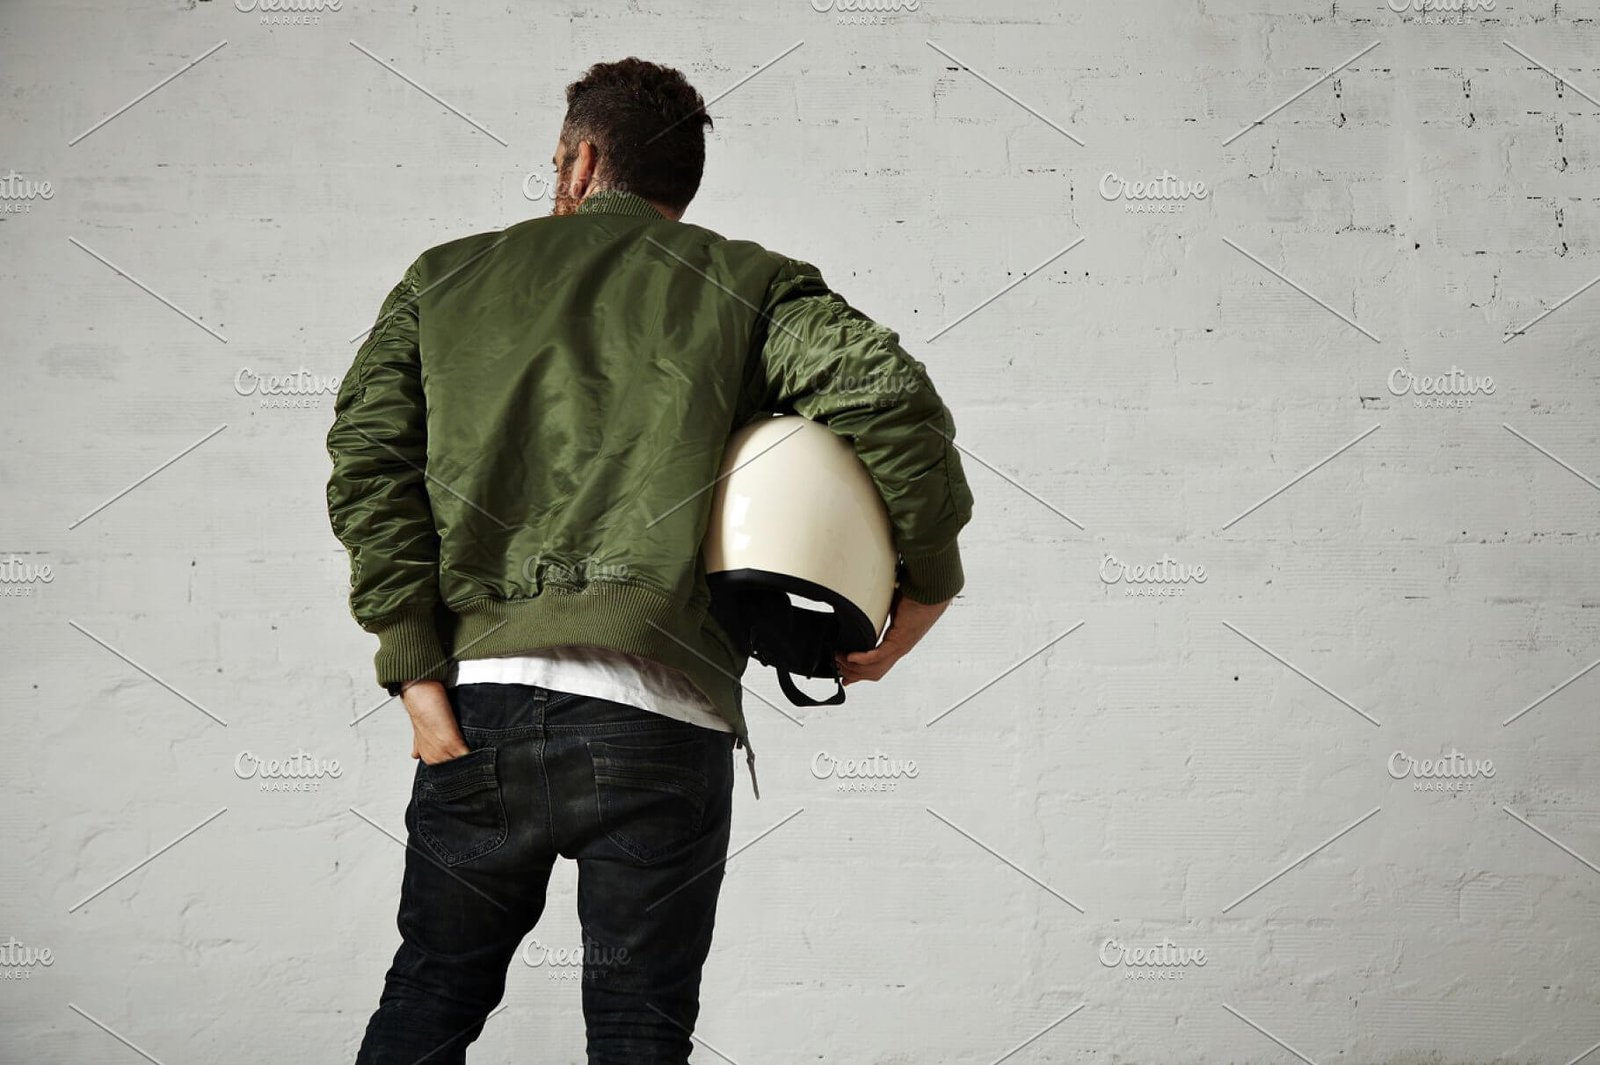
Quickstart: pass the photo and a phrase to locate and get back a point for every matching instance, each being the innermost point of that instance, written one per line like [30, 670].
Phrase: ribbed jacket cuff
[409, 648]
[933, 577]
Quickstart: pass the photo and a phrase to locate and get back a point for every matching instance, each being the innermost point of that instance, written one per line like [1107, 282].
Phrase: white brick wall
[1153, 383]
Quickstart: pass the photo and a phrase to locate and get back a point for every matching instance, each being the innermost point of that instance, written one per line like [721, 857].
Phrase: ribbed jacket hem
[933, 577]
[409, 649]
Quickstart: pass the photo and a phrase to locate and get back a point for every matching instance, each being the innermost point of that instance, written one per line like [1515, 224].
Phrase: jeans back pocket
[652, 799]
[460, 814]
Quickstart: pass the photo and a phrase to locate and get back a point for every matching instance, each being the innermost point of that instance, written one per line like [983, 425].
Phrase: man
[523, 451]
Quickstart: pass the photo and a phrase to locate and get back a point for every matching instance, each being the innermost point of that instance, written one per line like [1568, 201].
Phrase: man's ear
[583, 170]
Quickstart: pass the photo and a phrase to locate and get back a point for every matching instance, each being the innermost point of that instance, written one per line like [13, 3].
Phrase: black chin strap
[800, 698]
[794, 641]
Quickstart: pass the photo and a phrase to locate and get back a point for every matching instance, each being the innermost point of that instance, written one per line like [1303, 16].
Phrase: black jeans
[642, 803]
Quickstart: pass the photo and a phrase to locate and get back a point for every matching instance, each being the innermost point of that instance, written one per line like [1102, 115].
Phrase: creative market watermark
[300, 772]
[885, 389]
[21, 578]
[1452, 772]
[1167, 194]
[18, 193]
[19, 961]
[1165, 960]
[573, 963]
[298, 390]
[865, 12]
[876, 772]
[1162, 579]
[1439, 12]
[287, 12]
[538, 185]
[574, 574]
[1451, 390]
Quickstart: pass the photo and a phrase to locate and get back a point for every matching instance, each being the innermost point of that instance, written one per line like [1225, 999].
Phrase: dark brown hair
[648, 125]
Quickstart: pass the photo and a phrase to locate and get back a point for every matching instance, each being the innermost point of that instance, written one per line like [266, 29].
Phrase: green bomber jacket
[525, 444]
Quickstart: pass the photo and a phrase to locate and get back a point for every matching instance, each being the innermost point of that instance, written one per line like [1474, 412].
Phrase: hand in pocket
[435, 735]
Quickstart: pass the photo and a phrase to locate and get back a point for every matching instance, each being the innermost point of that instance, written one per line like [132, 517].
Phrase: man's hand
[435, 736]
[909, 622]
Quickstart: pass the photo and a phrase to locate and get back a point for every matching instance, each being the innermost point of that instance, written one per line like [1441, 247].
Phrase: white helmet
[796, 512]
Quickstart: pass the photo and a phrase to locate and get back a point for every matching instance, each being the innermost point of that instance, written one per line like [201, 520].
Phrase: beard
[566, 203]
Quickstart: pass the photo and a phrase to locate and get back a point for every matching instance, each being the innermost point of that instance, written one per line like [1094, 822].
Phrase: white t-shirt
[601, 673]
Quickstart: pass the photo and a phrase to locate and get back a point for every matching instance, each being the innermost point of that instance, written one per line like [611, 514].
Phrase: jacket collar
[615, 201]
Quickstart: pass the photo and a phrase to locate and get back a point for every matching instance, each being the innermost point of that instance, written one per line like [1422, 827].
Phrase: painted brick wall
[1215, 379]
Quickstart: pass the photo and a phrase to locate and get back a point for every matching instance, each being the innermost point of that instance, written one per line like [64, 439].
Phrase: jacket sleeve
[819, 357]
[378, 499]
